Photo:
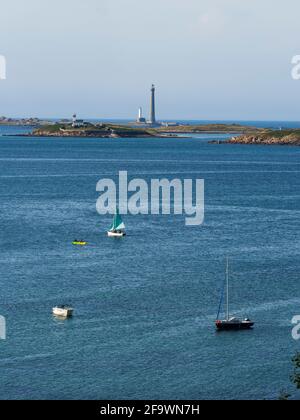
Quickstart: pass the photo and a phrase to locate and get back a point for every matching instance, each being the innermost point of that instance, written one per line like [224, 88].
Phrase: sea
[145, 306]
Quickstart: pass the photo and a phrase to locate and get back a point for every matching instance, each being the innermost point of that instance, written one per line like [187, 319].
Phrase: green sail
[117, 222]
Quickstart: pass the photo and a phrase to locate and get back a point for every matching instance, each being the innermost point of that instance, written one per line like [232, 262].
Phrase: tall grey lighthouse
[152, 106]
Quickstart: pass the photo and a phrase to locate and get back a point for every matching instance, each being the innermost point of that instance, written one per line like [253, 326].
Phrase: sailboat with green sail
[117, 229]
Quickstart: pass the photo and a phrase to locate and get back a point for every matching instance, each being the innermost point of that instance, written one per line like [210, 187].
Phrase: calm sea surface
[145, 306]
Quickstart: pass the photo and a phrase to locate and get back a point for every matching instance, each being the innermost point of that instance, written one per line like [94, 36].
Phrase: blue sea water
[145, 306]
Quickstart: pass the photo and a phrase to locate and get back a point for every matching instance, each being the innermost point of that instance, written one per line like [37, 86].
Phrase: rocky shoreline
[266, 137]
[271, 138]
[41, 133]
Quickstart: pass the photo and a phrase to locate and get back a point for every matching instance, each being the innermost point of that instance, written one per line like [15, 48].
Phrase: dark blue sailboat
[230, 323]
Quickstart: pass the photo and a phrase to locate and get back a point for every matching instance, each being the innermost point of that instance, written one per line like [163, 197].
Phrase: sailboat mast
[227, 293]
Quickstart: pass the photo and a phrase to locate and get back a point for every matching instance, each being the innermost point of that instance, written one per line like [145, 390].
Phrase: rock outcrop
[281, 138]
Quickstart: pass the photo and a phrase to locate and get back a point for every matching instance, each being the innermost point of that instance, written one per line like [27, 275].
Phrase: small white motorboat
[63, 311]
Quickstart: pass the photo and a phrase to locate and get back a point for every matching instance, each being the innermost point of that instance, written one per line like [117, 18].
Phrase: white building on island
[77, 123]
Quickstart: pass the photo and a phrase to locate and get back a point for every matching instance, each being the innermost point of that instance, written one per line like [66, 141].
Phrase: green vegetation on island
[207, 128]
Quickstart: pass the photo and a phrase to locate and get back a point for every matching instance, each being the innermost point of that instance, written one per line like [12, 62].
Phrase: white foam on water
[269, 306]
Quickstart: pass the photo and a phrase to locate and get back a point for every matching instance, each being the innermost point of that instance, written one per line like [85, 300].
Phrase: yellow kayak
[79, 243]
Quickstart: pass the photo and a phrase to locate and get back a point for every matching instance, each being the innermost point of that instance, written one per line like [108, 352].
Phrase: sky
[209, 59]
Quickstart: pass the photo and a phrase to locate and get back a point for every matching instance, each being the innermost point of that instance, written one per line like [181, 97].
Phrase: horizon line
[128, 119]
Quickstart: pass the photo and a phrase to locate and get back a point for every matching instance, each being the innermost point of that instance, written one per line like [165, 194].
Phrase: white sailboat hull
[116, 234]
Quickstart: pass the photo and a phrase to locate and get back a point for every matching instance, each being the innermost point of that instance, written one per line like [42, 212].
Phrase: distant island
[98, 130]
[32, 122]
[105, 130]
[269, 137]
[78, 128]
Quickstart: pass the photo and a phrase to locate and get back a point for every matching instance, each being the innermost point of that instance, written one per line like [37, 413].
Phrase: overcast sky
[210, 59]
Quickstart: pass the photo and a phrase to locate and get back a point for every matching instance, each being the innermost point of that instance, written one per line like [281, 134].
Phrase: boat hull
[63, 312]
[234, 326]
[116, 234]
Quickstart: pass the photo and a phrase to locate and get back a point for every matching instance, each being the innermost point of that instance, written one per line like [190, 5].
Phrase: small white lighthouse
[141, 119]
[74, 120]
